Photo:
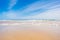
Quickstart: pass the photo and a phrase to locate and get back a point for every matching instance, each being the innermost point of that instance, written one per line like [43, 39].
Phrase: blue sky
[29, 9]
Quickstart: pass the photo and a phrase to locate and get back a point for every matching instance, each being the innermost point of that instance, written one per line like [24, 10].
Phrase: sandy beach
[30, 30]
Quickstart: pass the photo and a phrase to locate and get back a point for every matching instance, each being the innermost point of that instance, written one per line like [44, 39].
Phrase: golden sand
[27, 35]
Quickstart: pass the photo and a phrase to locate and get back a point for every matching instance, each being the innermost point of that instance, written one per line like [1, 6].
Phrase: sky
[29, 9]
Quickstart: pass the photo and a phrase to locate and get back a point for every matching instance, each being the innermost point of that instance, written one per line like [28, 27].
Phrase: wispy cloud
[36, 10]
[12, 3]
[49, 14]
[40, 5]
